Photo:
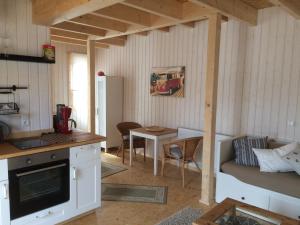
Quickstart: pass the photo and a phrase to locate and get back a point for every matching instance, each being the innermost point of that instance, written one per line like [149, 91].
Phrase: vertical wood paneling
[272, 72]
[25, 38]
[182, 46]
[259, 76]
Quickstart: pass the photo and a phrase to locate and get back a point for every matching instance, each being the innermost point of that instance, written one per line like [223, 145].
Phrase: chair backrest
[192, 145]
[125, 127]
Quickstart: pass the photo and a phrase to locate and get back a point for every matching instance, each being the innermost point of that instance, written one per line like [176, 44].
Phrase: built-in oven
[38, 181]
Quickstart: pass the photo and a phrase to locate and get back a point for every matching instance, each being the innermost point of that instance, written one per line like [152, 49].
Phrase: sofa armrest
[224, 152]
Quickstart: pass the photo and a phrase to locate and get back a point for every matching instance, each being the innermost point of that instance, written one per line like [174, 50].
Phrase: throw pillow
[286, 149]
[293, 158]
[244, 154]
[271, 161]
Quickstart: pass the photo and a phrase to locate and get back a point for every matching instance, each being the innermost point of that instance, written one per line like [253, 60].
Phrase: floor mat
[134, 193]
[108, 169]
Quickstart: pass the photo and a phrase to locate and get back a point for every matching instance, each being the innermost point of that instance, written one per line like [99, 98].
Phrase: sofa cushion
[271, 161]
[286, 149]
[244, 154]
[293, 159]
[285, 183]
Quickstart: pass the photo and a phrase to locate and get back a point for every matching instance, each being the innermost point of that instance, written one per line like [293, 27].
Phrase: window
[79, 90]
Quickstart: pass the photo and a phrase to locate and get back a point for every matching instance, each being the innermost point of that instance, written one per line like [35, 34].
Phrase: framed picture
[167, 81]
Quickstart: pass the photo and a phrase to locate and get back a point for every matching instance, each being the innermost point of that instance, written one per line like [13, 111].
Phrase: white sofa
[273, 193]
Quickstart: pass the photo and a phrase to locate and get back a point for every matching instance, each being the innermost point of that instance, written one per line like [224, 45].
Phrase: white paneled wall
[25, 38]
[60, 72]
[259, 76]
[182, 46]
[271, 95]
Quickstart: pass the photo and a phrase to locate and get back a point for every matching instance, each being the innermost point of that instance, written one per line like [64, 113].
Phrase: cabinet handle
[5, 191]
[74, 173]
[44, 215]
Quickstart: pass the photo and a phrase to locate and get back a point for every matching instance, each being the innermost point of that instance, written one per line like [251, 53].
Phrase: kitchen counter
[7, 150]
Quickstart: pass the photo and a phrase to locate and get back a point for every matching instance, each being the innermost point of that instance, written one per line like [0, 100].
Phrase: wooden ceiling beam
[100, 22]
[75, 42]
[124, 37]
[232, 8]
[191, 12]
[99, 45]
[126, 14]
[112, 41]
[291, 6]
[166, 8]
[50, 12]
[80, 29]
[68, 40]
[164, 29]
[190, 24]
[143, 33]
[68, 34]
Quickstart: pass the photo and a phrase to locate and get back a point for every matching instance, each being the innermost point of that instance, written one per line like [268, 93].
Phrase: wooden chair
[184, 150]
[124, 129]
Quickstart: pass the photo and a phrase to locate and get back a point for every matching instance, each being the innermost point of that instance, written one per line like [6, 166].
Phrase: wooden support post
[92, 83]
[211, 85]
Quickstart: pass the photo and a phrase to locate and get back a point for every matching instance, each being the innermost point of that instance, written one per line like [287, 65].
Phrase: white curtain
[79, 90]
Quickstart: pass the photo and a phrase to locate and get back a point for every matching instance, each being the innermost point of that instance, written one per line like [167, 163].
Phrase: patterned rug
[108, 169]
[185, 216]
[134, 193]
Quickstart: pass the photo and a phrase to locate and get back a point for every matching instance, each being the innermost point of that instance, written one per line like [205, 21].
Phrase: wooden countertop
[7, 150]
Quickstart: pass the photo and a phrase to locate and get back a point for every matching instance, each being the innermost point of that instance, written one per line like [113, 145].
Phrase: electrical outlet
[291, 123]
[25, 121]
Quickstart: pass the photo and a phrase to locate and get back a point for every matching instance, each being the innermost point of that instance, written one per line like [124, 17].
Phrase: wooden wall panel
[272, 72]
[181, 46]
[259, 76]
[25, 38]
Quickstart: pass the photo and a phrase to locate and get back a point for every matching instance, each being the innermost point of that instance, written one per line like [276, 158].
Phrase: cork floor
[129, 213]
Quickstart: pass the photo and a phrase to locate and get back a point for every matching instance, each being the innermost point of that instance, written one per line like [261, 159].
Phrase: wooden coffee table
[229, 207]
[156, 136]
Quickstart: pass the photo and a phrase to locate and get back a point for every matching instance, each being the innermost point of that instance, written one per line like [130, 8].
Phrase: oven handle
[5, 191]
[40, 170]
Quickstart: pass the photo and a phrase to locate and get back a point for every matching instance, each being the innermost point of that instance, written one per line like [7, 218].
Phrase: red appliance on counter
[62, 118]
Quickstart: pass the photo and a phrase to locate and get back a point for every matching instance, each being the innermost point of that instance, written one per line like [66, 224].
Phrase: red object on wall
[49, 52]
[101, 73]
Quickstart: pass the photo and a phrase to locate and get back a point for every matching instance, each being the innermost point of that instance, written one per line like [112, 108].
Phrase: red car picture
[167, 81]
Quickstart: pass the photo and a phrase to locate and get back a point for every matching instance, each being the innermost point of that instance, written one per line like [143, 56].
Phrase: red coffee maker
[62, 119]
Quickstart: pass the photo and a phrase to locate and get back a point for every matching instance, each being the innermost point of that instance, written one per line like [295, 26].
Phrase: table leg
[156, 149]
[130, 149]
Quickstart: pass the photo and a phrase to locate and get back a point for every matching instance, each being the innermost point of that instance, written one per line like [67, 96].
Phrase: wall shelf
[25, 58]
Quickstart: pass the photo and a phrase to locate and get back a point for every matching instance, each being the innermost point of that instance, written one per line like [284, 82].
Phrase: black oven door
[38, 187]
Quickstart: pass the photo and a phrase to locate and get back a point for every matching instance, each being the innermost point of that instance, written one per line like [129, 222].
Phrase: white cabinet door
[88, 186]
[4, 203]
[85, 171]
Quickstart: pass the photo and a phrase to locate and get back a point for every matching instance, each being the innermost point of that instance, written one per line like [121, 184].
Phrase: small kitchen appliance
[62, 119]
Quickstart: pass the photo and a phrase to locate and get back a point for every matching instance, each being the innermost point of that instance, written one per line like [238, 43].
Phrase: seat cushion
[244, 155]
[175, 152]
[293, 159]
[285, 183]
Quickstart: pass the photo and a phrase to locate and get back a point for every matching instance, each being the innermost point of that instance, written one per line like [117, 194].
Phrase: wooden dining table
[156, 136]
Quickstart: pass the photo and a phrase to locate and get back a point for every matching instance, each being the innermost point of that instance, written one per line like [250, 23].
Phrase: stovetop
[29, 143]
[43, 140]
